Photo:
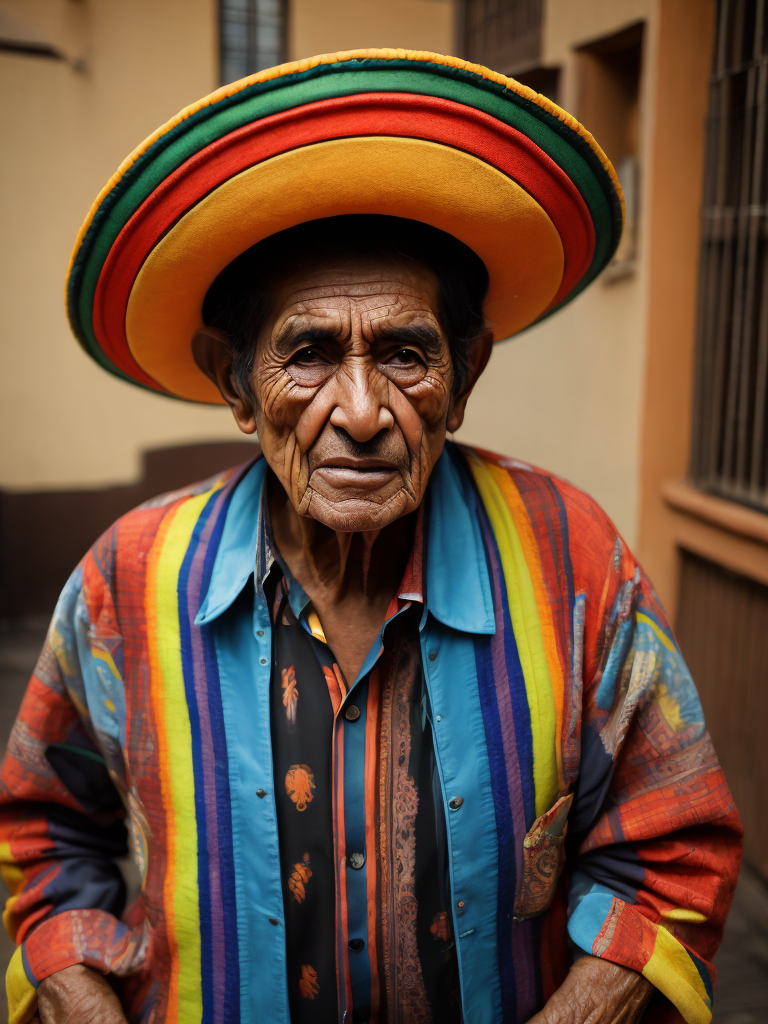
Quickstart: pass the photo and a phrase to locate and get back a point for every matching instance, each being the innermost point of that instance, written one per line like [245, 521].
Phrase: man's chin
[359, 514]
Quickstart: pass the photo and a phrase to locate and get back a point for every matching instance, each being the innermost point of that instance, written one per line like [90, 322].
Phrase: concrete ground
[742, 961]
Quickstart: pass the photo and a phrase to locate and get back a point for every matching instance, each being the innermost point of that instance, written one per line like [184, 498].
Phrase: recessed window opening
[252, 36]
[609, 77]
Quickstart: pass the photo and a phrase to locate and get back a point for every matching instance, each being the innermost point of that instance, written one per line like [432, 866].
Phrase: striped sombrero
[398, 132]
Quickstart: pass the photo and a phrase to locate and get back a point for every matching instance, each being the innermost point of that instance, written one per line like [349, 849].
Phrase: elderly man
[399, 728]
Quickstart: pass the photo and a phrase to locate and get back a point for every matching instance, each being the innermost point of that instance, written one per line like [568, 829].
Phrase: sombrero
[399, 132]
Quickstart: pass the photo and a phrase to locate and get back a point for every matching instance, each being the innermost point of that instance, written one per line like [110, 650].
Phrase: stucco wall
[63, 421]
[323, 26]
[567, 395]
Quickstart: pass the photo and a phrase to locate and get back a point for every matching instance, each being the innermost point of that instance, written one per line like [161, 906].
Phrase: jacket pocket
[543, 859]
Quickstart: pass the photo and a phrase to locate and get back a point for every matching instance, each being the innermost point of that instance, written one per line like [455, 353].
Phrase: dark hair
[237, 302]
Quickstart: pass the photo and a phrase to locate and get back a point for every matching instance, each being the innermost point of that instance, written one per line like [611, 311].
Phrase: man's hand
[78, 995]
[597, 992]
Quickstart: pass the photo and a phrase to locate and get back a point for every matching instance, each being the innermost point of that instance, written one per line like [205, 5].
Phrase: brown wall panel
[44, 534]
[675, 170]
[723, 633]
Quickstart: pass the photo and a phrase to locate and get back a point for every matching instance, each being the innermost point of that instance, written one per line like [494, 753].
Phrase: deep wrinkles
[363, 314]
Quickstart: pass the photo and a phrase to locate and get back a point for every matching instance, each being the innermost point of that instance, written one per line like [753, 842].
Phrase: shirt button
[273, 920]
[352, 713]
[259, 632]
[455, 803]
[461, 904]
[432, 655]
[261, 793]
[356, 945]
[262, 661]
[356, 860]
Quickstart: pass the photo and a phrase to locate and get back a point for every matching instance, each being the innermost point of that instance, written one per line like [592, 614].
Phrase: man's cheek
[420, 415]
[312, 417]
[279, 401]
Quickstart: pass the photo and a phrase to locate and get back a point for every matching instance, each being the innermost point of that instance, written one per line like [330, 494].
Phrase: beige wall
[324, 26]
[63, 421]
[567, 395]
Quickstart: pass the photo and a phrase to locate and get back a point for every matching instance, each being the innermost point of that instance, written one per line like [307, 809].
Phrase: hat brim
[543, 218]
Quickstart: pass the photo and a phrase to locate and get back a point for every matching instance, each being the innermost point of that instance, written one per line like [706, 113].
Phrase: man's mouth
[366, 474]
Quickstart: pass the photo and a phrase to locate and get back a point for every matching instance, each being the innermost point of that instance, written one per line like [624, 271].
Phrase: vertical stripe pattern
[523, 581]
[199, 898]
[521, 691]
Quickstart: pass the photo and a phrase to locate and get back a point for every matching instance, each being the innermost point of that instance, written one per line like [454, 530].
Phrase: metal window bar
[729, 453]
[502, 34]
[252, 36]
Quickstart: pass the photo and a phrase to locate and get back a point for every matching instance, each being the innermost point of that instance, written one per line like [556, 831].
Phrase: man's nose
[362, 402]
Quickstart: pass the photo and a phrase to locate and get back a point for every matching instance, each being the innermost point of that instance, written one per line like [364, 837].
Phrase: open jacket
[594, 813]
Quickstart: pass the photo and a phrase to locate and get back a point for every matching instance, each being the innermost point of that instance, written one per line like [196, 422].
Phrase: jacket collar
[458, 582]
[235, 561]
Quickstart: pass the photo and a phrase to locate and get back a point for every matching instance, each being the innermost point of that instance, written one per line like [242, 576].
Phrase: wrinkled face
[352, 385]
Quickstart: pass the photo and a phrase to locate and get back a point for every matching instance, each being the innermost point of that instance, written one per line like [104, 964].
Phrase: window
[609, 73]
[502, 34]
[252, 36]
[729, 454]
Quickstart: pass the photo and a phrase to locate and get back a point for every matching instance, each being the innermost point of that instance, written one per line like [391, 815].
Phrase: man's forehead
[377, 313]
[336, 283]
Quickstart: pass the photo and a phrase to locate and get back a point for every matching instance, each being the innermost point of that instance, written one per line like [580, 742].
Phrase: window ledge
[728, 515]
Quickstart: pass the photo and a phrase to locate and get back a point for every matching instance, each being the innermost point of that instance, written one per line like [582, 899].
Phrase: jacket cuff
[605, 926]
[91, 937]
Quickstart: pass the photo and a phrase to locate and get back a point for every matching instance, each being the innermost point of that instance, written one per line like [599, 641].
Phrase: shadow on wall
[44, 534]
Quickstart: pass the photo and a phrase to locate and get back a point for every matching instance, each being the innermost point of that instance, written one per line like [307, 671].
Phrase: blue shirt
[244, 649]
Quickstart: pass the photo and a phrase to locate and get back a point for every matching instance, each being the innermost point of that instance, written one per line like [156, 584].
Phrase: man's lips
[368, 474]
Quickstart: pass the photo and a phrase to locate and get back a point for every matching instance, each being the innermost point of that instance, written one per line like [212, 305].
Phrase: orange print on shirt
[336, 687]
[290, 694]
[300, 875]
[299, 783]
[308, 983]
[440, 928]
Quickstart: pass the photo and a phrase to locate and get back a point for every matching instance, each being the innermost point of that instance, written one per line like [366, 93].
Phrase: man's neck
[350, 578]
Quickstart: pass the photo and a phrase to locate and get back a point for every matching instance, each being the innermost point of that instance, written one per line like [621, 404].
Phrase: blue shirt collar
[458, 582]
[235, 561]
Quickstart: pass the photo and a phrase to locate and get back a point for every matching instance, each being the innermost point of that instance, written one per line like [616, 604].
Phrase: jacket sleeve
[61, 816]
[655, 836]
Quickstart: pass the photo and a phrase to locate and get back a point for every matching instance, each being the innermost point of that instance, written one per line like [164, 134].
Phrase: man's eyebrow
[295, 336]
[424, 335]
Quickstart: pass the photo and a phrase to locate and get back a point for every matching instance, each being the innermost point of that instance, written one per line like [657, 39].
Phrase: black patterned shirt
[362, 835]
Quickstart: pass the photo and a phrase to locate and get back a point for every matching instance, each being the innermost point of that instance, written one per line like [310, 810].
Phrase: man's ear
[212, 352]
[478, 360]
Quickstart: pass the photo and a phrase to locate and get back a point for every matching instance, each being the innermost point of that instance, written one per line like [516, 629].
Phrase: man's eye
[308, 355]
[405, 357]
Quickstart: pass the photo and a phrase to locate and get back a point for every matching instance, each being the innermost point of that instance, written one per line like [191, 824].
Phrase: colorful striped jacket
[595, 815]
